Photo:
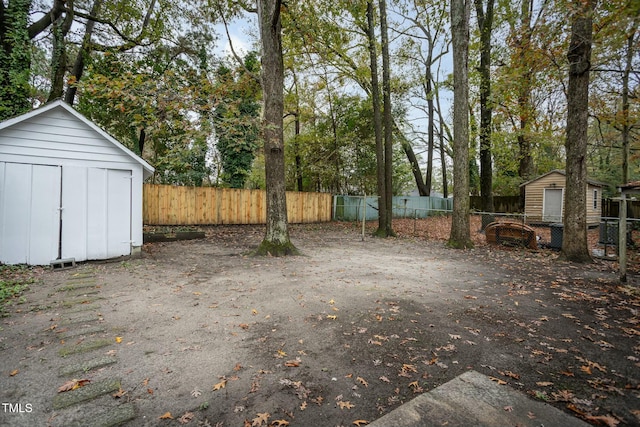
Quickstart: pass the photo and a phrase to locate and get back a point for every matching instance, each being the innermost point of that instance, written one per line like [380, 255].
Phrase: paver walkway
[80, 337]
[84, 346]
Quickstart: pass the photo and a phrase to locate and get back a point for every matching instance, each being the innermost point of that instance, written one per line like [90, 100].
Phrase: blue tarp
[350, 208]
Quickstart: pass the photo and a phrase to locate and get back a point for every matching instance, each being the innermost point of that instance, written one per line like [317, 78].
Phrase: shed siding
[534, 197]
[57, 137]
[534, 194]
[593, 214]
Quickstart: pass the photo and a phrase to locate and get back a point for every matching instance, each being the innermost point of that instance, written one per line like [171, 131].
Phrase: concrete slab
[472, 399]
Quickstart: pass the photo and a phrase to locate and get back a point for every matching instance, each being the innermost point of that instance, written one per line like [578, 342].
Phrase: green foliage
[14, 280]
[157, 106]
[15, 60]
[236, 119]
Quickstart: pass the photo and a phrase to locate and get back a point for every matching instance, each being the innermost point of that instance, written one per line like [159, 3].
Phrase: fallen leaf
[184, 419]
[237, 367]
[244, 326]
[118, 340]
[332, 317]
[346, 404]
[360, 423]
[73, 385]
[292, 363]
[303, 405]
[409, 368]
[362, 381]
[511, 375]
[508, 408]
[416, 387]
[261, 418]
[254, 311]
[220, 385]
[196, 392]
[498, 380]
[118, 394]
[544, 383]
[166, 416]
[384, 379]
[279, 423]
[14, 373]
[454, 337]
[606, 419]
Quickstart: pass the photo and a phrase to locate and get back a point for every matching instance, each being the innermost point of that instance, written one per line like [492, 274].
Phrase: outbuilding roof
[60, 104]
[564, 173]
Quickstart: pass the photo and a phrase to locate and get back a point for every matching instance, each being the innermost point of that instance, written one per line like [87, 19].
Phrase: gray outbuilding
[68, 190]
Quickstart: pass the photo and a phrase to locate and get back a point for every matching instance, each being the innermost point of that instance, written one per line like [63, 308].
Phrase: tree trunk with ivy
[15, 58]
[15, 52]
[276, 241]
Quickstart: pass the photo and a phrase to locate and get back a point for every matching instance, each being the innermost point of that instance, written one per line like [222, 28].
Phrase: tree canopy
[165, 78]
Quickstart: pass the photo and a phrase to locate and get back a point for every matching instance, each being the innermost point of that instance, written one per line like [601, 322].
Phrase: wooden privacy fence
[173, 205]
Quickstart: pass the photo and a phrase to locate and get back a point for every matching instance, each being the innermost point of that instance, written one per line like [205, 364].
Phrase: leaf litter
[571, 335]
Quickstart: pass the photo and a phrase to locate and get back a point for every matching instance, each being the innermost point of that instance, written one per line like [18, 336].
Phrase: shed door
[96, 215]
[29, 213]
[552, 205]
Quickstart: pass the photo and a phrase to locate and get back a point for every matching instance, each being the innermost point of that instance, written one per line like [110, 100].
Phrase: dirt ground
[336, 337]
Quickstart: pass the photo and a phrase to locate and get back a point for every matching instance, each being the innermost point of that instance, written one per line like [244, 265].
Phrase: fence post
[622, 238]
[364, 214]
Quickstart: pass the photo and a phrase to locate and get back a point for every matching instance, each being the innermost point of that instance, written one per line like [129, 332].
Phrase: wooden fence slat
[175, 205]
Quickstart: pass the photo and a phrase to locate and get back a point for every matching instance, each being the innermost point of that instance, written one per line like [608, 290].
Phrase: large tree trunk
[521, 62]
[85, 50]
[626, 126]
[430, 126]
[276, 241]
[59, 53]
[485, 24]
[377, 116]
[388, 124]
[574, 242]
[460, 232]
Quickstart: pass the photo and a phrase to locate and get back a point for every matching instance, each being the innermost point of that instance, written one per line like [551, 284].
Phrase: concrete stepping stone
[84, 347]
[86, 366]
[84, 318]
[88, 392]
[82, 308]
[77, 332]
[472, 399]
[112, 417]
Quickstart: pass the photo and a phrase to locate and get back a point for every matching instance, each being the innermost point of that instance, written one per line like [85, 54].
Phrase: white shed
[68, 190]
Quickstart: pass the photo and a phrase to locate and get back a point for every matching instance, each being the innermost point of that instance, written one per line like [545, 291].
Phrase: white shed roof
[59, 104]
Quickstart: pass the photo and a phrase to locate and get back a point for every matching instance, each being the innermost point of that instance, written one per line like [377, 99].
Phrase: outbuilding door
[96, 213]
[552, 205]
[52, 212]
[29, 213]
